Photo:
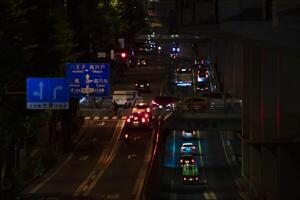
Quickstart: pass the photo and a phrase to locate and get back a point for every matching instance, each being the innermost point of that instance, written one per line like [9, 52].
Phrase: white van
[125, 97]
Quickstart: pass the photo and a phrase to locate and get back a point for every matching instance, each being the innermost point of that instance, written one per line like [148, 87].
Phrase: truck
[126, 97]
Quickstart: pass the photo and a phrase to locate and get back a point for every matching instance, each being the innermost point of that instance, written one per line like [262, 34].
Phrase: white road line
[242, 195]
[115, 117]
[87, 118]
[96, 118]
[140, 181]
[100, 164]
[101, 124]
[174, 148]
[201, 160]
[210, 196]
[173, 196]
[39, 186]
[105, 117]
[110, 158]
[124, 117]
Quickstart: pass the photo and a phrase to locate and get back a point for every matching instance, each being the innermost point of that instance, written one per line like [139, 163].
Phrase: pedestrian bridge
[219, 121]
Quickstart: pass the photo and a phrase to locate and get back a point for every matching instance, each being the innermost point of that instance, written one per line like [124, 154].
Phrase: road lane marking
[101, 124]
[110, 158]
[112, 196]
[242, 195]
[101, 162]
[201, 160]
[140, 181]
[210, 196]
[131, 156]
[87, 118]
[105, 117]
[173, 196]
[115, 117]
[85, 187]
[45, 181]
[83, 158]
[174, 148]
[137, 138]
[124, 117]
[35, 189]
[96, 118]
[194, 82]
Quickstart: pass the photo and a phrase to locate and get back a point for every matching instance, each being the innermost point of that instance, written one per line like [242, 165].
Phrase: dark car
[202, 75]
[141, 62]
[163, 102]
[203, 87]
[137, 120]
[142, 86]
[187, 160]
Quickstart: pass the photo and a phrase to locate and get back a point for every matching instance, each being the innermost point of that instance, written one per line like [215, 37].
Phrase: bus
[184, 77]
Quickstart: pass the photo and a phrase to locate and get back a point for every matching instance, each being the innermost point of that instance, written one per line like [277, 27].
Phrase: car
[190, 173]
[142, 107]
[186, 160]
[193, 103]
[189, 134]
[125, 97]
[142, 86]
[202, 75]
[163, 102]
[137, 120]
[141, 62]
[202, 87]
[188, 148]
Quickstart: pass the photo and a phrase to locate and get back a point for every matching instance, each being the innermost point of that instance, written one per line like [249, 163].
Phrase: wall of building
[228, 9]
[271, 121]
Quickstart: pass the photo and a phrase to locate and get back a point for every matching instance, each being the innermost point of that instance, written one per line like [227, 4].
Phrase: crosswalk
[116, 117]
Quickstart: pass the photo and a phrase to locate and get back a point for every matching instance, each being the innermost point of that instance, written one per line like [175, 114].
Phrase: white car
[190, 134]
[126, 97]
[188, 148]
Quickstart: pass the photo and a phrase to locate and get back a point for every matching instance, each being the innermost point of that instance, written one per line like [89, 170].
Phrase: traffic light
[123, 55]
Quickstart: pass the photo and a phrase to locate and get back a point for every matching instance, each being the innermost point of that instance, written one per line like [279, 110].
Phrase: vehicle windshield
[144, 106]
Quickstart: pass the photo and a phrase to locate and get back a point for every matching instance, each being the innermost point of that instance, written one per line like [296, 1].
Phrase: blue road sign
[47, 93]
[88, 79]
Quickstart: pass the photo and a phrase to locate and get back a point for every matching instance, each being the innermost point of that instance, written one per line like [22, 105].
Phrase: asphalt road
[216, 179]
[102, 165]
[68, 175]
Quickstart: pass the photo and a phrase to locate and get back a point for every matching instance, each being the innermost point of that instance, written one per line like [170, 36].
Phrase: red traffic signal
[123, 55]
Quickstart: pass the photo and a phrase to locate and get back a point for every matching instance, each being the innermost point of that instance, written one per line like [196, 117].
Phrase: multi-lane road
[102, 165]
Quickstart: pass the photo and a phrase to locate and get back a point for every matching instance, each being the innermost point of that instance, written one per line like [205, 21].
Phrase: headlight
[160, 106]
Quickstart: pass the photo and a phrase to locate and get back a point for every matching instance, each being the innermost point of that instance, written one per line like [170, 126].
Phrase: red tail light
[193, 148]
[128, 120]
[193, 160]
[126, 136]
[181, 160]
[135, 118]
[148, 109]
[143, 120]
[146, 115]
